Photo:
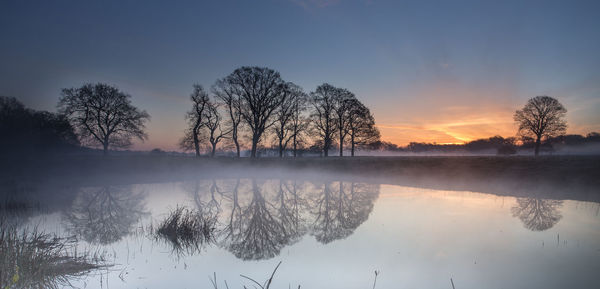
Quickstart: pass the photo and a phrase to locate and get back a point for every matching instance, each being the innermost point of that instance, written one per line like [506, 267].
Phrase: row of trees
[251, 105]
[257, 101]
[498, 144]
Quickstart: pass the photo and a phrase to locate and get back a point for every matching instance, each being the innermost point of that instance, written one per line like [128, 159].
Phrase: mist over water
[299, 144]
[328, 231]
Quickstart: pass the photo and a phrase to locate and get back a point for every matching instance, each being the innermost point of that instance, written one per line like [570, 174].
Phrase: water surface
[327, 234]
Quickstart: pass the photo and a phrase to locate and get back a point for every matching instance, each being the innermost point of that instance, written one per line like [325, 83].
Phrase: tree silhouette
[343, 100]
[26, 131]
[323, 101]
[287, 122]
[104, 115]
[195, 119]
[541, 117]
[298, 122]
[212, 122]
[104, 215]
[537, 214]
[361, 125]
[261, 92]
[226, 92]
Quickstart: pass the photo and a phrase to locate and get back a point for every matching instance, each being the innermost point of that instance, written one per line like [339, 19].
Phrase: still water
[326, 234]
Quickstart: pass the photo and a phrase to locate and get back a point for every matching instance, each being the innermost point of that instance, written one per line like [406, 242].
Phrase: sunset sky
[431, 71]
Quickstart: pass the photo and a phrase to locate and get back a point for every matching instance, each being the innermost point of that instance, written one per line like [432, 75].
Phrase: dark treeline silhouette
[25, 131]
[256, 108]
[497, 144]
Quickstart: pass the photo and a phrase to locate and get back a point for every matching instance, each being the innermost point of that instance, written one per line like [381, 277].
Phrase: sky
[430, 71]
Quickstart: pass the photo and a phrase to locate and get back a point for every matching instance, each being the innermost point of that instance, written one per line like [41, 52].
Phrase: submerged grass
[33, 259]
[187, 230]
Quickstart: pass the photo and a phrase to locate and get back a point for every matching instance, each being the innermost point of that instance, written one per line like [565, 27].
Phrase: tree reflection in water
[104, 215]
[258, 218]
[538, 214]
[339, 210]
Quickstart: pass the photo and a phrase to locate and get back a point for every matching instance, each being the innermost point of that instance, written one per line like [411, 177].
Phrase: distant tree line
[496, 144]
[254, 106]
[25, 131]
[253, 109]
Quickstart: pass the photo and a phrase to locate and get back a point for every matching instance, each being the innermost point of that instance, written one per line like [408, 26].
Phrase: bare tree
[212, 121]
[361, 125]
[323, 102]
[541, 117]
[103, 115]
[261, 92]
[298, 121]
[224, 91]
[343, 99]
[285, 127]
[195, 116]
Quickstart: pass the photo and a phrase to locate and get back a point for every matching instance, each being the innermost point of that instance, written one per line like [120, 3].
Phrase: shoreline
[551, 177]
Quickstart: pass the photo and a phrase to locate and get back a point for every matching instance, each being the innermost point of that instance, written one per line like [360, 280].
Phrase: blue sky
[445, 71]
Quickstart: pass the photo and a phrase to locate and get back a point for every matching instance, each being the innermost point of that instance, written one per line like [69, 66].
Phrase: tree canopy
[541, 117]
[103, 115]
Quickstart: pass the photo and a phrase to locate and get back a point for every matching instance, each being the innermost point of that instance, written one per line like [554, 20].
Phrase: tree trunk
[341, 144]
[538, 142]
[294, 145]
[214, 148]
[105, 149]
[352, 144]
[237, 146]
[196, 143]
[235, 140]
[254, 144]
[280, 148]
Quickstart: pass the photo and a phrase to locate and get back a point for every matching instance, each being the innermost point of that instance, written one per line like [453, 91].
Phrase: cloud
[404, 134]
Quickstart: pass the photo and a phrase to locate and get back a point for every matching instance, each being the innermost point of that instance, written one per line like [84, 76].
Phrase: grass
[186, 230]
[267, 283]
[33, 259]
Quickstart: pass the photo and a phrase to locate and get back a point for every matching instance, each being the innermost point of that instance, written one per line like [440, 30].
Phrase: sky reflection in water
[334, 235]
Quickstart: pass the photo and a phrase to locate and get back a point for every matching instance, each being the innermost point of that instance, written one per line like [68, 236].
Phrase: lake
[326, 234]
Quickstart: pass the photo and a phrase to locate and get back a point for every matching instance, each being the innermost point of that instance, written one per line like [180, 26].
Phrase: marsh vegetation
[186, 230]
[30, 258]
